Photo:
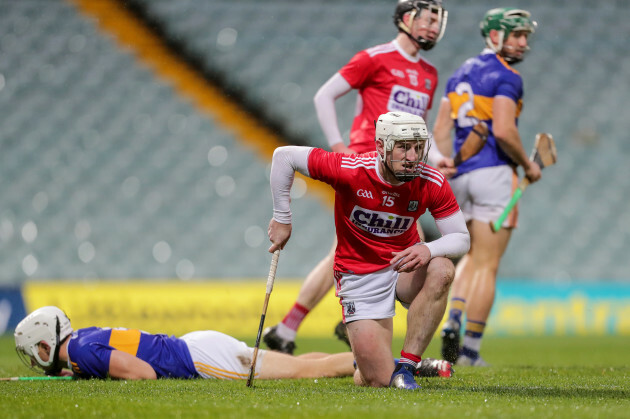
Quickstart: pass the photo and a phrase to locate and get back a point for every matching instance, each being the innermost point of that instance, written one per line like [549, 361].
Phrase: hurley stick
[544, 154]
[270, 279]
[473, 143]
[38, 378]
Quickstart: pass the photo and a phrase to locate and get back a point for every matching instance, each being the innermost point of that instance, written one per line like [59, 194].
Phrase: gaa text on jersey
[365, 194]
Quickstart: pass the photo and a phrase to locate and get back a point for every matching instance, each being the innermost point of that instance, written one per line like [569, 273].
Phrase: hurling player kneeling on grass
[379, 258]
[45, 339]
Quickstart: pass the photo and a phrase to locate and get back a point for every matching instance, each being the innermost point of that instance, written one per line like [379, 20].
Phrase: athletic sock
[472, 338]
[455, 314]
[291, 322]
[285, 333]
[409, 359]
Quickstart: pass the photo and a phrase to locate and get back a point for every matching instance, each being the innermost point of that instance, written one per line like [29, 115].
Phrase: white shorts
[484, 193]
[217, 355]
[367, 296]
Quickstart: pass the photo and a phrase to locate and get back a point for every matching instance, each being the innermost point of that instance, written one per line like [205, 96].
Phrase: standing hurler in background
[485, 88]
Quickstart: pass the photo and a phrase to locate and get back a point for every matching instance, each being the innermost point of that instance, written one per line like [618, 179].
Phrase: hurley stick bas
[473, 143]
[544, 154]
[270, 279]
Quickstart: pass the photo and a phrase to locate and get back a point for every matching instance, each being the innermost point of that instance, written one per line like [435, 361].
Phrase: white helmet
[49, 324]
[393, 127]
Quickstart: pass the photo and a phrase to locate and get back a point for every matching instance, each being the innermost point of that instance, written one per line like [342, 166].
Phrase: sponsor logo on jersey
[365, 194]
[378, 223]
[413, 206]
[407, 100]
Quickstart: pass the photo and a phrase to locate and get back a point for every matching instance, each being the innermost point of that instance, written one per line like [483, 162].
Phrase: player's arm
[441, 145]
[442, 128]
[455, 242]
[286, 161]
[324, 101]
[128, 367]
[506, 133]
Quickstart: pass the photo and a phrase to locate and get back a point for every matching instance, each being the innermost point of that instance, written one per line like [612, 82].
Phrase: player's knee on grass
[373, 371]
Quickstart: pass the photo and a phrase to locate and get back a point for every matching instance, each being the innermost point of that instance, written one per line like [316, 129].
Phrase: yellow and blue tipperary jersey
[471, 91]
[90, 349]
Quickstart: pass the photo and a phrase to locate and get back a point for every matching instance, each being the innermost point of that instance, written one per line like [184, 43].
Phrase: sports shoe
[276, 343]
[467, 361]
[342, 333]
[431, 367]
[403, 378]
[450, 342]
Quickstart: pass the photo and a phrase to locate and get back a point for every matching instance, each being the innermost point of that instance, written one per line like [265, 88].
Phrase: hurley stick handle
[496, 225]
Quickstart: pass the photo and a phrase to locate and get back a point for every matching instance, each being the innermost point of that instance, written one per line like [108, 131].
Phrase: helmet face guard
[428, 10]
[417, 164]
[409, 131]
[505, 21]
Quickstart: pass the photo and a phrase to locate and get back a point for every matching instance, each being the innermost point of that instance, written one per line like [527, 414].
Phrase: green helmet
[505, 20]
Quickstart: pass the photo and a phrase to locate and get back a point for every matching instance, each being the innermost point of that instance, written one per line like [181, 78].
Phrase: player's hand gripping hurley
[544, 154]
[270, 279]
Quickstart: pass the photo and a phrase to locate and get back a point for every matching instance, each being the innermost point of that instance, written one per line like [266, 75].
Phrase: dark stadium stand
[107, 172]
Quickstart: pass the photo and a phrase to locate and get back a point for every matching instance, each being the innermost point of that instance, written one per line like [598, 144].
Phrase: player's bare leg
[427, 290]
[460, 290]
[486, 256]
[464, 273]
[372, 347]
[276, 365]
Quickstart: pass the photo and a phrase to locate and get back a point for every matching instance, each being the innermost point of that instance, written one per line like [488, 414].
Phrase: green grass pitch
[542, 377]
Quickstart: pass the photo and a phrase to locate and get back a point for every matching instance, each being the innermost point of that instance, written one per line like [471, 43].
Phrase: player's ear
[495, 36]
[380, 148]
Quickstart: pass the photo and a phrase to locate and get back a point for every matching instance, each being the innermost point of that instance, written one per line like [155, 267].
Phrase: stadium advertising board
[233, 307]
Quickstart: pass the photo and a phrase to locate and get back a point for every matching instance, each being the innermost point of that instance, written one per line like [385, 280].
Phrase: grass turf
[559, 377]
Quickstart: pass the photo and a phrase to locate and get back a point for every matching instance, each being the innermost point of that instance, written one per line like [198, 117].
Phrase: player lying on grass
[45, 339]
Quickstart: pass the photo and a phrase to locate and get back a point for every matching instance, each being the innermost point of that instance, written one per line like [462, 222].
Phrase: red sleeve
[444, 203]
[358, 70]
[324, 165]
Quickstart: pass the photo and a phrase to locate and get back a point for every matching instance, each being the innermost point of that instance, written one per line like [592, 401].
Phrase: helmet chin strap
[54, 368]
[510, 59]
[422, 43]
